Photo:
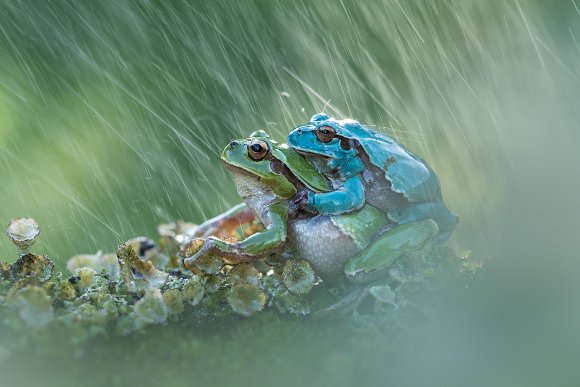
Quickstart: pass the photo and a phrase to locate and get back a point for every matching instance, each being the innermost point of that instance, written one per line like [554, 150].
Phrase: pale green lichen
[37, 267]
[246, 299]
[244, 273]
[299, 277]
[173, 300]
[126, 292]
[85, 277]
[34, 306]
[97, 262]
[212, 283]
[66, 291]
[193, 291]
[151, 309]
[134, 268]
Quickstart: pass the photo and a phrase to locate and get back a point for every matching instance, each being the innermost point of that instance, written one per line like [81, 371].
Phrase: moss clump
[173, 301]
[4, 270]
[37, 267]
[151, 309]
[244, 273]
[66, 291]
[33, 305]
[193, 291]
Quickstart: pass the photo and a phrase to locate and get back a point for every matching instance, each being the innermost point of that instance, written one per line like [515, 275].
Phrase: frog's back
[407, 173]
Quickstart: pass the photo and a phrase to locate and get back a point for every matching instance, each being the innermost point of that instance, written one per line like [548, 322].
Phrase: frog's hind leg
[438, 211]
[373, 262]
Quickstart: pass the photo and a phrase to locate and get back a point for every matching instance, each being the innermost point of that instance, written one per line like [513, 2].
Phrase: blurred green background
[113, 113]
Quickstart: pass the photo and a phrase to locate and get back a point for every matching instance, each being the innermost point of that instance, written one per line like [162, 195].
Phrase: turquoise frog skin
[365, 166]
[268, 176]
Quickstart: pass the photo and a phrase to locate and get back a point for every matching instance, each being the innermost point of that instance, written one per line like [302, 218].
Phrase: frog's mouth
[311, 154]
[238, 170]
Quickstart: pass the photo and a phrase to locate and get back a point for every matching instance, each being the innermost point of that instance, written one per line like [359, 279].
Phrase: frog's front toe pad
[404, 239]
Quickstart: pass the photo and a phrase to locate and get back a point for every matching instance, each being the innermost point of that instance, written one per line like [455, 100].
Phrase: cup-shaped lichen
[193, 291]
[23, 232]
[246, 299]
[298, 276]
[244, 273]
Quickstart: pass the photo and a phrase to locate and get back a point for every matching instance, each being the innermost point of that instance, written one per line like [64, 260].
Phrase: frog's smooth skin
[367, 166]
[268, 175]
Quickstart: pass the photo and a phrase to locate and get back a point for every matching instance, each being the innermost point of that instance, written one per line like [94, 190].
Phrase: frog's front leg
[224, 224]
[373, 262]
[348, 198]
[256, 246]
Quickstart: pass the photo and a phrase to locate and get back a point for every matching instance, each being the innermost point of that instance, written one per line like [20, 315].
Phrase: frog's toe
[404, 239]
[348, 303]
[438, 211]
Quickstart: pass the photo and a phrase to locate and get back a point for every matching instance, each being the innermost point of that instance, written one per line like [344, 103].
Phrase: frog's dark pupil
[256, 148]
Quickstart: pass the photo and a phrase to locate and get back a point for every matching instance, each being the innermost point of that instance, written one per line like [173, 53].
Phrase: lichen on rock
[124, 293]
[151, 309]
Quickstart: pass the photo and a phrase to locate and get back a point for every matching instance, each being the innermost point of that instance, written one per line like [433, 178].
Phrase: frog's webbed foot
[254, 247]
[347, 304]
[300, 203]
[211, 248]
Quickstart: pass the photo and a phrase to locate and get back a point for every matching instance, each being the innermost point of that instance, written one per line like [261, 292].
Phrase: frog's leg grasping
[224, 225]
[256, 246]
[348, 198]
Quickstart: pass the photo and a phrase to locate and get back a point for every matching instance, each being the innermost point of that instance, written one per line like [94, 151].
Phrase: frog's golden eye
[325, 133]
[258, 150]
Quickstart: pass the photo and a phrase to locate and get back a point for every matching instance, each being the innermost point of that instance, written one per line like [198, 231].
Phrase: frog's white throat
[253, 192]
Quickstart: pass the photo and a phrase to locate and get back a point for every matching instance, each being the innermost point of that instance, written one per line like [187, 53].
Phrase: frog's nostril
[233, 144]
[299, 131]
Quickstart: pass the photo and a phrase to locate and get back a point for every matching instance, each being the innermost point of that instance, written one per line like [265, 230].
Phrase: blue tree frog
[365, 166]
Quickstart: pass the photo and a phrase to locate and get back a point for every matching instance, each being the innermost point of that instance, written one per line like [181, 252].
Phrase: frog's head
[328, 145]
[259, 164]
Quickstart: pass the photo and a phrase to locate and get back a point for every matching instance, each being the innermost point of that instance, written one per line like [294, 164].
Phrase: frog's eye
[325, 133]
[257, 150]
